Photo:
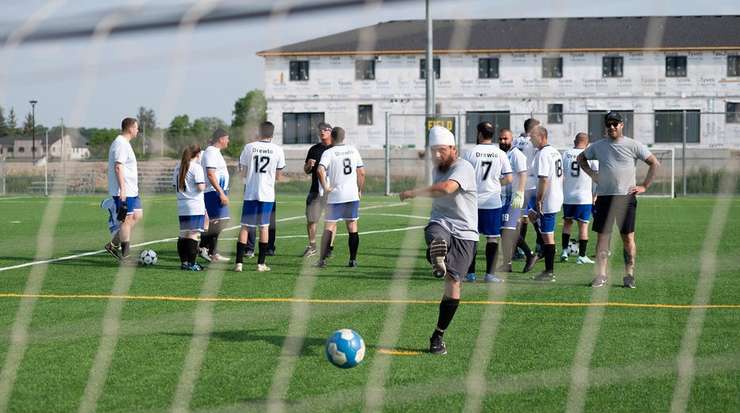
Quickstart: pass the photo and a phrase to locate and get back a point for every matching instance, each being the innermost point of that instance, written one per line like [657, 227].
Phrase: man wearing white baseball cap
[452, 232]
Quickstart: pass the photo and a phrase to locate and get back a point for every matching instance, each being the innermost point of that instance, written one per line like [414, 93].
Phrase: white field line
[158, 241]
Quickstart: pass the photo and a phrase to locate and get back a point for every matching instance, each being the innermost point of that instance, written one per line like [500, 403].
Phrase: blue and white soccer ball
[148, 257]
[573, 248]
[345, 348]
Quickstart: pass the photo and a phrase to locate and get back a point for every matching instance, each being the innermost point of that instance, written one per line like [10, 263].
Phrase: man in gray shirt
[452, 232]
[616, 192]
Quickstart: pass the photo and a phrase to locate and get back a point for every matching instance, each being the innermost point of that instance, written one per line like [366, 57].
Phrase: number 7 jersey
[341, 163]
[261, 160]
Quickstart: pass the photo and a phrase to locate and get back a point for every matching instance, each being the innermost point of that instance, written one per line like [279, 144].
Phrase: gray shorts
[460, 252]
[315, 205]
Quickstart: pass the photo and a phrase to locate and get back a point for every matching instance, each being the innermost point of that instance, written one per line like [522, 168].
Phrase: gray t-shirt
[458, 211]
[617, 161]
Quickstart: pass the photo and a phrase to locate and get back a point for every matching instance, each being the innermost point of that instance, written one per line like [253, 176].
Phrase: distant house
[72, 146]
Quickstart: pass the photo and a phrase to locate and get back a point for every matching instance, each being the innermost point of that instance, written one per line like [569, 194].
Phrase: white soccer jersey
[577, 185]
[490, 164]
[214, 160]
[524, 144]
[341, 163]
[190, 201]
[121, 152]
[261, 160]
[548, 164]
[518, 163]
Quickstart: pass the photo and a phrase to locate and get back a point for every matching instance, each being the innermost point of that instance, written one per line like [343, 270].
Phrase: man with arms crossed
[216, 195]
[492, 170]
[513, 199]
[578, 198]
[123, 186]
[316, 199]
[616, 192]
[452, 232]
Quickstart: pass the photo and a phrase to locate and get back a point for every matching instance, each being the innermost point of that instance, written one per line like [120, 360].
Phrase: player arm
[121, 180]
[321, 173]
[653, 165]
[542, 185]
[309, 165]
[435, 191]
[522, 181]
[360, 179]
[585, 167]
[506, 179]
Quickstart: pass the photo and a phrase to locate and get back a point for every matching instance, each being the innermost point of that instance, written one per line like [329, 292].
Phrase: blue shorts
[578, 212]
[510, 217]
[192, 222]
[547, 223]
[256, 213]
[213, 206]
[489, 222]
[133, 203]
[530, 199]
[347, 211]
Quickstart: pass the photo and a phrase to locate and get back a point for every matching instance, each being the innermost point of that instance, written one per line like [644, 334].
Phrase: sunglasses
[325, 129]
[612, 124]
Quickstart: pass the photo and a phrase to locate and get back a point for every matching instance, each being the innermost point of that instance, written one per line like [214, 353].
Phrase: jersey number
[260, 163]
[559, 168]
[487, 165]
[347, 166]
[575, 171]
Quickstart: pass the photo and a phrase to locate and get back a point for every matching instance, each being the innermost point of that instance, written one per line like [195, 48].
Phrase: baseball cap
[439, 135]
[613, 116]
[324, 125]
[219, 133]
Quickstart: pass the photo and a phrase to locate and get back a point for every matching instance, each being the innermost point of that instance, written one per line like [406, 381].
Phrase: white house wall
[520, 89]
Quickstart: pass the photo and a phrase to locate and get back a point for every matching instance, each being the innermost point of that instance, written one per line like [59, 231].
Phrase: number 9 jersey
[549, 164]
[261, 159]
[341, 163]
[577, 185]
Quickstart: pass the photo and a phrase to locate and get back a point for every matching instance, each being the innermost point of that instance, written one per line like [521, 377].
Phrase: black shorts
[460, 252]
[315, 205]
[611, 209]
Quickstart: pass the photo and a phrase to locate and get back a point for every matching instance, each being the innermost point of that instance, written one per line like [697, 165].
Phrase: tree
[99, 140]
[178, 134]
[3, 124]
[249, 111]
[28, 125]
[147, 120]
[12, 122]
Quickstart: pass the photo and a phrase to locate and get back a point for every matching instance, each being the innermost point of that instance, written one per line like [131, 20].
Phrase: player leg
[248, 220]
[493, 235]
[330, 227]
[438, 244]
[354, 242]
[547, 224]
[265, 209]
[603, 223]
[583, 218]
[627, 230]
[567, 226]
[272, 231]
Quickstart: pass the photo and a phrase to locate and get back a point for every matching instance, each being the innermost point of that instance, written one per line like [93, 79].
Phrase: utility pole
[33, 128]
[430, 109]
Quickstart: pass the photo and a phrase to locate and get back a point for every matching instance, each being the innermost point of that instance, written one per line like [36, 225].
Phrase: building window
[611, 66]
[488, 68]
[552, 67]
[365, 69]
[301, 128]
[21, 149]
[675, 66]
[365, 114]
[669, 126]
[732, 114]
[555, 113]
[733, 65]
[423, 68]
[299, 70]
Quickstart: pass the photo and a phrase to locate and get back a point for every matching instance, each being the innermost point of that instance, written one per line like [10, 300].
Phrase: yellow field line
[392, 352]
[355, 301]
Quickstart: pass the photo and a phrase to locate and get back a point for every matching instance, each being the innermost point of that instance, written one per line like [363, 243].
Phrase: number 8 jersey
[549, 164]
[261, 159]
[341, 163]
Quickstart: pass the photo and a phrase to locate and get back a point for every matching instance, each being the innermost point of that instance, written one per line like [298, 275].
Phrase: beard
[444, 166]
[504, 147]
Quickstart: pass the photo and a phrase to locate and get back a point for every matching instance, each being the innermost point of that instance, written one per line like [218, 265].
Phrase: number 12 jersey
[261, 160]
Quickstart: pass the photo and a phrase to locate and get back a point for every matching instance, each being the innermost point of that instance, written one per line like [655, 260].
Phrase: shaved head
[581, 140]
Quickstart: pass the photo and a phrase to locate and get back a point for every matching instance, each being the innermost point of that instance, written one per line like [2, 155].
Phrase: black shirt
[315, 153]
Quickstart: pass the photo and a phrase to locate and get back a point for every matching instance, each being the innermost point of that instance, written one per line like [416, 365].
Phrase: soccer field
[80, 334]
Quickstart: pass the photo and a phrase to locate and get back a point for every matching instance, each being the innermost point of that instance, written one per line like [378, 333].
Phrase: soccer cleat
[249, 254]
[320, 264]
[330, 253]
[437, 345]
[352, 263]
[113, 250]
[564, 256]
[263, 268]
[218, 258]
[204, 254]
[238, 267]
[491, 278]
[309, 251]
[628, 281]
[531, 261]
[185, 266]
[544, 276]
[195, 267]
[599, 281]
[470, 277]
[438, 252]
[584, 260]
[518, 254]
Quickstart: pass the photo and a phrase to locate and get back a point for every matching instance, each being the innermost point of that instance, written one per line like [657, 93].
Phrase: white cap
[439, 135]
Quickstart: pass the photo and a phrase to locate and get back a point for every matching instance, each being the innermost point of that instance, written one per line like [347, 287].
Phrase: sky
[97, 83]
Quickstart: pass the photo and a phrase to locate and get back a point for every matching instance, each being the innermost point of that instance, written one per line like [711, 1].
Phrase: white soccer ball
[148, 257]
[573, 248]
[345, 348]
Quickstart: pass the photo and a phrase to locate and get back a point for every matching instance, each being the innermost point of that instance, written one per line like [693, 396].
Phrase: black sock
[181, 250]
[564, 241]
[582, 244]
[125, 248]
[240, 248]
[523, 230]
[262, 252]
[205, 241]
[491, 250]
[213, 242]
[523, 245]
[191, 250]
[539, 240]
[271, 238]
[325, 243]
[471, 269]
[354, 244]
[447, 308]
[549, 252]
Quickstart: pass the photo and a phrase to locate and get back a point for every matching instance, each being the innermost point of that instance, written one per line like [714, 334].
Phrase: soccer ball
[573, 248]
[148, 257]
[345, 348]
